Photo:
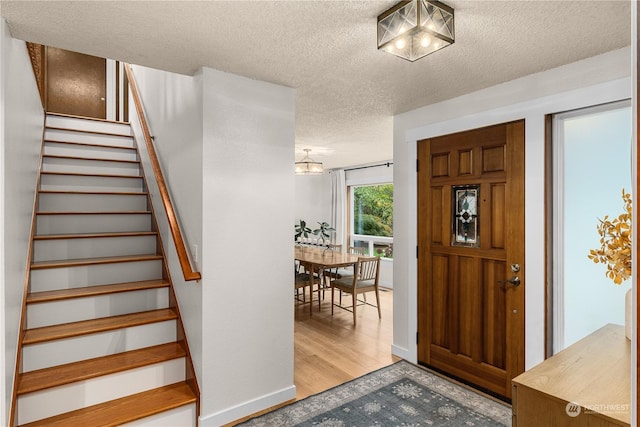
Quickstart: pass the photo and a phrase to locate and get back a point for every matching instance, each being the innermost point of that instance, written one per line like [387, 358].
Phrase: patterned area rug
[401, 394]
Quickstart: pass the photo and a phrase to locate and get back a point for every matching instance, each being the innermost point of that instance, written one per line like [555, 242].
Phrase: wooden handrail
[187, 271]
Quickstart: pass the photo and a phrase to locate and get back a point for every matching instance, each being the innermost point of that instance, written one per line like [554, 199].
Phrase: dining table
[318, 258]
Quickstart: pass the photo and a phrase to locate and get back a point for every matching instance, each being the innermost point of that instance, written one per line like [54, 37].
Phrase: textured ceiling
[346, 90]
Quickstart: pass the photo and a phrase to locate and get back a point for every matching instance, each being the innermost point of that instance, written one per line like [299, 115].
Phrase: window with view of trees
[372, 213]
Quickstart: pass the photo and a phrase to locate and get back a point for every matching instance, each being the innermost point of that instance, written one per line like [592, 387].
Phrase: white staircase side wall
[68, 350]
[103, 167]
[88, 138]
[93, 275]
[183, 416]
[57, 400]
[93, 223]
[62, 149]
[61, 249]
[85, 124]
[73, 202]
[77, 309]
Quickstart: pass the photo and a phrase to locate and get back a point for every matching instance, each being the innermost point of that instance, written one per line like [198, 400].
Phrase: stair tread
[94, 235]
[102, 193]
[54, 376]
[92, 212]
[96, 132]
[87, 144]
[95, 119]
[102, 324]
[38, 265]
[96, 159]
[126, 409]
[63, 294]
[101, 175]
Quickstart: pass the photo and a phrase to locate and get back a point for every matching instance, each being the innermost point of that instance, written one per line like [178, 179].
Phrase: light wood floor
[329, 350]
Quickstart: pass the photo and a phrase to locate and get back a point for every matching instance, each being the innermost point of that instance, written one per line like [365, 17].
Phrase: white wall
[312, 199]
[247, 256]
[21, 121]
[173, 105]
[596, 80]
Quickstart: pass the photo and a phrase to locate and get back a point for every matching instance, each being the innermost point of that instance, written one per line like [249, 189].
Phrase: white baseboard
[251, 407]
[403, 353]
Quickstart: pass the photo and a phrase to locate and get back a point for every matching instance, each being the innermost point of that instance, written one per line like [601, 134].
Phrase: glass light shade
[415, 28]
[307, 166]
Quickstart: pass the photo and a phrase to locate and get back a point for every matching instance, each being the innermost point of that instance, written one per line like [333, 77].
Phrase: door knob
[515, 281]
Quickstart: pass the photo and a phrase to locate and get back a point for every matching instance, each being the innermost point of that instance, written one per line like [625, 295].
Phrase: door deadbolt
[515, 268]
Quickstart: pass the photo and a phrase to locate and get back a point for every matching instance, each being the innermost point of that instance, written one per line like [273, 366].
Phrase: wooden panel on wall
[493, 159]
[37, 56]
[440, 299]
[494, 303]
[440, 165]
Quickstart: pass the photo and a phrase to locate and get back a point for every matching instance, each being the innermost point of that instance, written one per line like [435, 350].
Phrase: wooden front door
[76, 84]
[470, 243]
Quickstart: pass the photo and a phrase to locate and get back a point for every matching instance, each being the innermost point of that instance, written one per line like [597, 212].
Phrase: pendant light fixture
[415, 28]
[307, 166]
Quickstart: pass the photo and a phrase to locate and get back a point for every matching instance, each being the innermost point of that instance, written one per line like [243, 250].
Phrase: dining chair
[303, 279]
[343, 272]
[365, 279]
[356, 250]
[335, 248]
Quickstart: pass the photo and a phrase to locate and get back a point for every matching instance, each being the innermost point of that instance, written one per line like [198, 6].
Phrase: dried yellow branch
[615, 241]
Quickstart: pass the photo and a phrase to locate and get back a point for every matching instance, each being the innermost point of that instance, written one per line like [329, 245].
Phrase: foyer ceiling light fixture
[307, 166]
[415, 28]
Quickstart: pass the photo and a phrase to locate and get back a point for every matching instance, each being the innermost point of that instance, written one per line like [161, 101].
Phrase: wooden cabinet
[586, 384]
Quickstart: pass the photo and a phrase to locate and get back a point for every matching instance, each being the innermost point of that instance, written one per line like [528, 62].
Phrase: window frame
[370, 239]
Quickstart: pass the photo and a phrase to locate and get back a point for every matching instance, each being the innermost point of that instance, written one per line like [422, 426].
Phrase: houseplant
[323, 232]
[301, 229]
[615, 251]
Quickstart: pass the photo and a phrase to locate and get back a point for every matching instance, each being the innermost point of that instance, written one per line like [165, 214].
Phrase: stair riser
[92, 275]
[57, 400]
[94, 125]
[49, 250]
[94, 223]
[53, 164]
[58, 352]
[57, 149]
[90, 183]
[91, 202]
[88, 138]
[77, 309]
[183, 416]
